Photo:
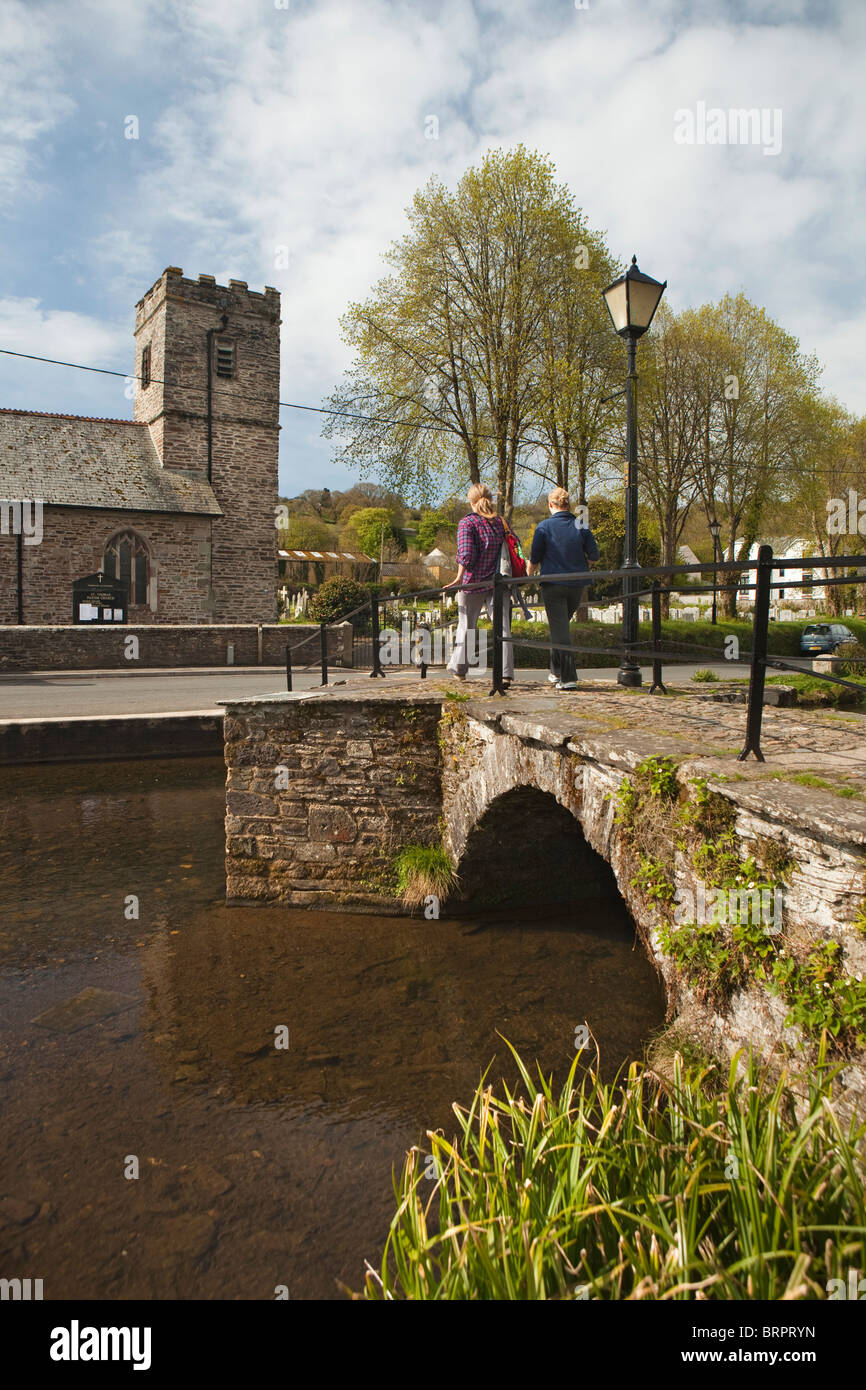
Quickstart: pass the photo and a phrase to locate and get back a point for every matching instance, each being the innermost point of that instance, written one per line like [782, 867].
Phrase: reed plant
[688, 1182]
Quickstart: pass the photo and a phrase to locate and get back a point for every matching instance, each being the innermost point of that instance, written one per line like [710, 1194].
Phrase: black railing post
[374, 624]
[288, 667]
[497, 687]
[658, 683]
[758, 673]
[323, 645]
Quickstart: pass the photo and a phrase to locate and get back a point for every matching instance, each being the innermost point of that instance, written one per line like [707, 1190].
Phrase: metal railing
[659, 651]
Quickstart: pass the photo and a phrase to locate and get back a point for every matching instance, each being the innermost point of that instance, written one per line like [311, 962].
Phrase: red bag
[515, 553]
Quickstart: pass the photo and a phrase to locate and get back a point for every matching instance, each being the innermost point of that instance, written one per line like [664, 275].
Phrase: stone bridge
[324, 790]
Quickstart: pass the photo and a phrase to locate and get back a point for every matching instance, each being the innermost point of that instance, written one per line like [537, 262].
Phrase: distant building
[687, 556]
[314, 566]
[784, 548]
[438, 565]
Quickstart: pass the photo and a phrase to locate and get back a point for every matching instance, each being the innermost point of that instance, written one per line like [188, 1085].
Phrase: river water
[141, 1019]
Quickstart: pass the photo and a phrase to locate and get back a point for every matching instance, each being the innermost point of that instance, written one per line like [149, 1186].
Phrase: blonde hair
[480, 500]
[558, 497]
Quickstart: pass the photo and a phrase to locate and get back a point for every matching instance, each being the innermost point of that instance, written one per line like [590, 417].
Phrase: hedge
[783, 639]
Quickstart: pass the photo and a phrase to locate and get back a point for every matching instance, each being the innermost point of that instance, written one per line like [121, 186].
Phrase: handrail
[658, 650]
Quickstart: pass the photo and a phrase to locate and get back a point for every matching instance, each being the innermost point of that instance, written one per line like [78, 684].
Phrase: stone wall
[319, 797]
[109, 737]
[73, 545]
[98, 647]
[368, 773]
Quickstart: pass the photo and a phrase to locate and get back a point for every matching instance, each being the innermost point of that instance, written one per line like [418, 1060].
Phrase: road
[51, 695]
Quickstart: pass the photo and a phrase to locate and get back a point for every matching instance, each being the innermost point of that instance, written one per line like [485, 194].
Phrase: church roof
[77, 461]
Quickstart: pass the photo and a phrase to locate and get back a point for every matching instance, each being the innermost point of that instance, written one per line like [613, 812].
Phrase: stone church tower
[207, 358]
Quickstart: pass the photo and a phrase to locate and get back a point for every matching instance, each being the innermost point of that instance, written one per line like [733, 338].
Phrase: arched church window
[127, 559]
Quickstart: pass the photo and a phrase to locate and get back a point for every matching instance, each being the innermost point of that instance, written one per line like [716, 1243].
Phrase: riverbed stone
[90, 1005]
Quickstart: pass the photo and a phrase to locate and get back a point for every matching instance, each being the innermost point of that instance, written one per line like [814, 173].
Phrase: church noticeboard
[96, 599]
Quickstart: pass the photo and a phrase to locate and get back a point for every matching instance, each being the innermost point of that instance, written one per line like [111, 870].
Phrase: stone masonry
[181, 321]
[371, 772]
[320, 796]
[100, 646]
[190, 482]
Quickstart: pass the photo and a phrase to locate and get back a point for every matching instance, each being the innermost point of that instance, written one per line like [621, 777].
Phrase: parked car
[823, 637]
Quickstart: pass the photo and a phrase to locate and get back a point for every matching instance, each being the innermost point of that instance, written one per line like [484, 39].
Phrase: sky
[280, 142]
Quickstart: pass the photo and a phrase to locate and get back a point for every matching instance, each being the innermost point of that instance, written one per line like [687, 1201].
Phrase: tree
[337, 597]
[607, 523]
[832, 465]
[372, 528]
[668, 425]
[749, 378]
[432, 527]
[449, 360]
[579, 363]
[305, 533]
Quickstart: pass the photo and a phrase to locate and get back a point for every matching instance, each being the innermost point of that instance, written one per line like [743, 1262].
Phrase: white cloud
[26, 326]
[33, 103]
[304, 128]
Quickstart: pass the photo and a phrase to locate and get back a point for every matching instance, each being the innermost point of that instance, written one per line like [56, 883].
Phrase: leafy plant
[652, 1187]
[336, 598]
[653, 881]
[704, 674]
[821, 997]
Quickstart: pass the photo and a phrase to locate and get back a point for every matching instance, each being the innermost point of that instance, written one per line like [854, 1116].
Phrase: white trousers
[469, 606]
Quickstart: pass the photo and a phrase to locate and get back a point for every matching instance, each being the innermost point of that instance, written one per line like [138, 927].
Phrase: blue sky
[303, 127]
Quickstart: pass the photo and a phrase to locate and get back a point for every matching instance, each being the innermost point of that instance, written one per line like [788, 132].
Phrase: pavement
[72, 694]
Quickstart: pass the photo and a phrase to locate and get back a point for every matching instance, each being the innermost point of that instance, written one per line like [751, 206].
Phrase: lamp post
[631, 302]
[715, 528]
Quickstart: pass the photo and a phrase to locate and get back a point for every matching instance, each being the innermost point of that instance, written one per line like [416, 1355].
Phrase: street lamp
[631, 302]
[715, 528]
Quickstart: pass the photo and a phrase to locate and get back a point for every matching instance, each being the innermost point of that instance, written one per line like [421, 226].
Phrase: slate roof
[78, 461]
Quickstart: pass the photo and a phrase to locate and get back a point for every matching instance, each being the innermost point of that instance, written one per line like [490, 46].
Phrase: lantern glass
[632, 301]
[616, 299]
[643, 301]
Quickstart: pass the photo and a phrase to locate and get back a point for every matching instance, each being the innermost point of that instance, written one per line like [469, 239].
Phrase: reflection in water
[257, 1165]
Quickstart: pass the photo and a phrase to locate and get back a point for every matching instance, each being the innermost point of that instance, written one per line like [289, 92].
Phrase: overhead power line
[618, 454]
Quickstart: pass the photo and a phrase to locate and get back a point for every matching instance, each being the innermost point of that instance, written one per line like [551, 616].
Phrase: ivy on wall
[717, 957]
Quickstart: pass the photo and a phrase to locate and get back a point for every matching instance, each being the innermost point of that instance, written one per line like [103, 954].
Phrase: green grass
[783, 638]
[702, 674]
[813, 690]
[655, 1187]
[808, 779]
[424, 871]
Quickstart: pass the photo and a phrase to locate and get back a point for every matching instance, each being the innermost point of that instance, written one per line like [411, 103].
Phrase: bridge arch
[527, 848]
[537, 816]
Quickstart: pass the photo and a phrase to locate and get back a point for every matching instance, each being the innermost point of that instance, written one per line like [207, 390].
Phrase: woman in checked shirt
[480, 538]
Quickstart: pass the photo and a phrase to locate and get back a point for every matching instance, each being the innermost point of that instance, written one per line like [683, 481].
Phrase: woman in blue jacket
[562, 544]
